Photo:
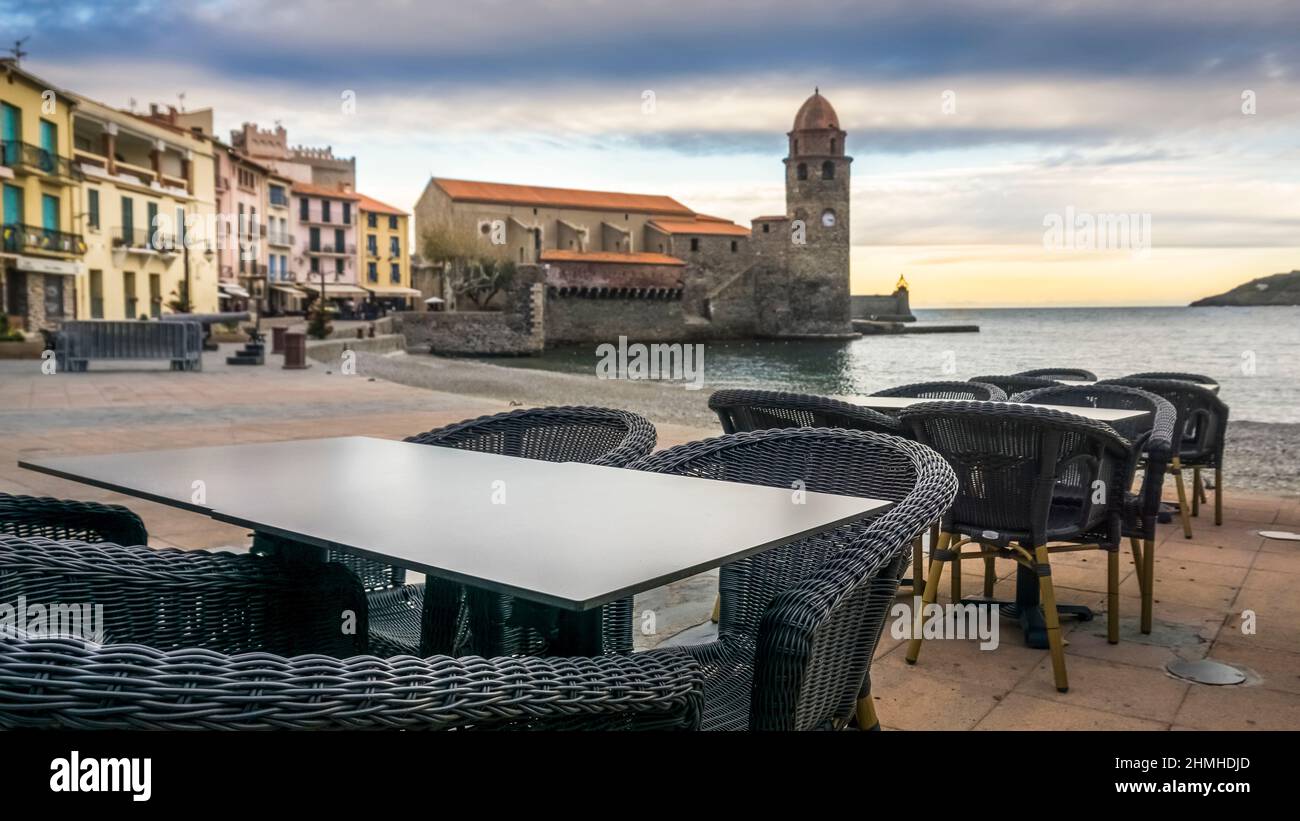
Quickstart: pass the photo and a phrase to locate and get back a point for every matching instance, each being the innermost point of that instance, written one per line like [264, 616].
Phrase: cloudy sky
[972, 124]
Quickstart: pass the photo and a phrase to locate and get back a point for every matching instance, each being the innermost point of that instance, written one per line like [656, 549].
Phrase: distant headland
[1278, 289]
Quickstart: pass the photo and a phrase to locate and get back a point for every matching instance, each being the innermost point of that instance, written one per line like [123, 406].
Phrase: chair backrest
[817, 638]
[1202, 422]
[826, 460]
[1198, 378]
[64, 519]
[1012, 384]
[1072, 374]
[1025, 474]
[598, 436]
[1153, 430]
[747, 410]
[975, 391]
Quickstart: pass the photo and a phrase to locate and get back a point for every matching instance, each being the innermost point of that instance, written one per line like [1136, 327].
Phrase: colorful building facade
[384, 255]
[323, 221]
[42, 248]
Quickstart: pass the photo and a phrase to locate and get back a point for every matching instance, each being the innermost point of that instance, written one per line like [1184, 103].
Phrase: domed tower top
[816, 112]
[816, 131]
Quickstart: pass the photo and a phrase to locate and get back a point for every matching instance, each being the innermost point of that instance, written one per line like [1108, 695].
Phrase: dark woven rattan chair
[974, 391]
[64, 519]
[444, 617]
[1027, 478]
[1012, 384]
[72, 684]
[746, 410]
[847, 462]
[1151, 436]
[1199, 436]
[1197, 378]
[1064, 374]
[219, 601]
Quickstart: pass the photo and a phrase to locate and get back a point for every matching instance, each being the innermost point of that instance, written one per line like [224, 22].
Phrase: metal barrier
[78, 342]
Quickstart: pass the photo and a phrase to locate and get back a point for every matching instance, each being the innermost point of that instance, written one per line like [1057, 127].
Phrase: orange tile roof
[541, 196]
[709, 227]
[323, 191]
[711, 218]
[374, 205]
[638, 258]
[769, 219]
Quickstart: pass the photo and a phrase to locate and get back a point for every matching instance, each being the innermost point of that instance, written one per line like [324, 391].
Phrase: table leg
[1027, 608]
[581, 633]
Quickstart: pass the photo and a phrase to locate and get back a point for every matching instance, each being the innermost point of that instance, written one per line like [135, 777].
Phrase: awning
[288, 289]
[234, 290]
[395, 291]
[336, 289]
[48, 266]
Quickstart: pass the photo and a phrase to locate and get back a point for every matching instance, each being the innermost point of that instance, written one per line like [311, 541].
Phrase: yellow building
[384, 254]
[42, 246]
[147, 197]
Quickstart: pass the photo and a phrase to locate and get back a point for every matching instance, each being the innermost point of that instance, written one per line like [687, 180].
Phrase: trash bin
[295, 351]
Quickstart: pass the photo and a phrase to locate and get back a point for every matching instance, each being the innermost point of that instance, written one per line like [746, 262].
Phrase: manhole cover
[1205, 671]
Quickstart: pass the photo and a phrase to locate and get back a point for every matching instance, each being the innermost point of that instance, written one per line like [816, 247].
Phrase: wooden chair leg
[990, 576]
[1218, 496]
[1197, 491]
[1176, 469]
[956, 575]
[931, 593]
[1112, 596]
[1048, 596]
[1139, 568]
[918, 568]
[866, 713]
[1149, 589]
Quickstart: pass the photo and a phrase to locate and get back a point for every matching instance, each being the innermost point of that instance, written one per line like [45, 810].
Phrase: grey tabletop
[565, 534]
[896, 402]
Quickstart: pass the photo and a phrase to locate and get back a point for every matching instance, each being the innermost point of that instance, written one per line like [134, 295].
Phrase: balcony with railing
[280, 238]
[17, 238]
[144, 241]
[330, 250]
[25, 158]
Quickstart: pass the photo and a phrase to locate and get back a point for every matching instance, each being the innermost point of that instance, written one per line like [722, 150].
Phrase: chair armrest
[63, 683]
[229, 602]
[64, 519]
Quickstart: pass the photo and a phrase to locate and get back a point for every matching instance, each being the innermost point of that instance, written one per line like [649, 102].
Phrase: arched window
[801, 171]
[828, 170]
[832, 145]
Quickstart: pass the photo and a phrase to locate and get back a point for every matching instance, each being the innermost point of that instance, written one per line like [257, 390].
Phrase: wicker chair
[65, 683]
[746, 410]
[1151, 436]
[848, 462]
[64, 519]
[947, 390]
[444, 617]
[1199, 436]
[1027, 477]
[1064, 374]
[219, 601]
[1199, 379]
[1012, 384]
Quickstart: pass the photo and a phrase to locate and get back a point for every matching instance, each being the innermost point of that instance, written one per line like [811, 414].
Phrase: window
[92, 209]
[304, 206]
[347, 213]
[734, 246]
[128, 294]
[339, 247]
[392, 223]
[828, 170]
[270, 267]
[325, 210]
[96, 294]
[49, 212]
[180, 227]
[151, 217]
[372, 220]
[372, 245]
[394, 247]
[284, 267]
[801, 171]
[832, 145]
[155, 295]
[395, 274]
[49, 137]
[695, 243]
[313, 239]
[277, 195]
[128, 220]
[338, 267]
[767, 229]
[372, 272]
[315, 265]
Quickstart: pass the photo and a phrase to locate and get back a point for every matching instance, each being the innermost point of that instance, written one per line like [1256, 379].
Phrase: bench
[78, 342]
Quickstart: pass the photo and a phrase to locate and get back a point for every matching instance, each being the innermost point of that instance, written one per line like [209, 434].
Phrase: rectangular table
[570, 535]
[897, 402]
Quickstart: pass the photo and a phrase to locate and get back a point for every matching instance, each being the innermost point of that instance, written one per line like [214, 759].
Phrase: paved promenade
[1203, 584]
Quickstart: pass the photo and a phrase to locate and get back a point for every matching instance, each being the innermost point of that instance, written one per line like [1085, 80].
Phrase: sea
[1254, 353]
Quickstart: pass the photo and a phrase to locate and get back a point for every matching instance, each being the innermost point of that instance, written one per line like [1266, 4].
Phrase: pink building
[242, 251]
[323, 221]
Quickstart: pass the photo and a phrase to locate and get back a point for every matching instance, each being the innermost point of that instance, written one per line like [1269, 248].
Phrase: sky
[987, 135]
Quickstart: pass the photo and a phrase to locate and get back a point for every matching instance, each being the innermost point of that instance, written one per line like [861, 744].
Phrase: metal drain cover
[1205, 671]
